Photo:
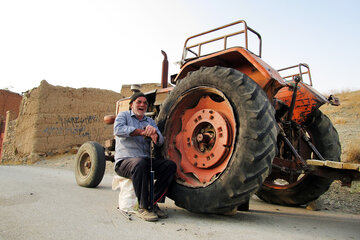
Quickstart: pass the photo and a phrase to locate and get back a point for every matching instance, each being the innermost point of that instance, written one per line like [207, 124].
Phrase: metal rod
[300, 72]
[293, 100]
[245, 31]
[293, 150]
[217, 39]
[307, 140]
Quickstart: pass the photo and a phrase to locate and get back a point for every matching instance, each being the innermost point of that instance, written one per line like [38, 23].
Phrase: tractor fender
[242, 60]
[307, 100]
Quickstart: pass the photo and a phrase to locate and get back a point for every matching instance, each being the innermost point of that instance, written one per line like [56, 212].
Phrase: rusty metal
[346, 176]
[223, 37]
[201, 137]
[206, 123]
[293, 150]
[345, 172]
[311, 145]
[289, 166]
[164, 72]
[85, 165]
[239, 58]
[286, 166]
[242, 60]
[308, 100]
[334, 100]
[299, 74]
[293, 99]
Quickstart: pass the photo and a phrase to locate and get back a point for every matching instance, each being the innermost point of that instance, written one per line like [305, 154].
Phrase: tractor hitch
[345, 172]
[334, 100]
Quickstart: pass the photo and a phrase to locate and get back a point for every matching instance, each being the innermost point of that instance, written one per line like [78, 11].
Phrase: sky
[107, 43]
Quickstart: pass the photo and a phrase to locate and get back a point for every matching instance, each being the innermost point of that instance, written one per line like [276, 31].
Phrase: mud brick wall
[146, 87]
[53, 119]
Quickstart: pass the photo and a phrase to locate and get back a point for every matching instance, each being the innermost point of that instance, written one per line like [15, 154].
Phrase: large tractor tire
[299, 189]
[221, 132]
[90, 165]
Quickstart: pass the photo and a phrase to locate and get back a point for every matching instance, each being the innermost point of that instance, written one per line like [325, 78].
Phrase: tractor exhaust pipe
[165, 69]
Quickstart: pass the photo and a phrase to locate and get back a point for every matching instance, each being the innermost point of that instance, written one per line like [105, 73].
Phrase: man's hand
[154, 137]
[149, 131]
[137, 132]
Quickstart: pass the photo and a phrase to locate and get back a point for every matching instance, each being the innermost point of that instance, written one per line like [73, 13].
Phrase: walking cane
[152, 176]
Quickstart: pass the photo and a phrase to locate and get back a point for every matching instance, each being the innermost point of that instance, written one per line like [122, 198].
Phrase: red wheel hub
[202, 139]
[205, 137]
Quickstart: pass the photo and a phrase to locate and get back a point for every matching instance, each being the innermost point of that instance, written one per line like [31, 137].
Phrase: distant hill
[346, 119]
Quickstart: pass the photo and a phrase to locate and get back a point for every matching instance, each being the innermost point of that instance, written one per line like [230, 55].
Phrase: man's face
[139, 106]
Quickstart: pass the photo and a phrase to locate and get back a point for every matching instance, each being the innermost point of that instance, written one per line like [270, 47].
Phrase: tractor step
[345, 172]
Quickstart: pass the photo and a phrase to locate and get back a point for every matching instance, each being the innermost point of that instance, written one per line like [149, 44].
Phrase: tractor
[235, 127]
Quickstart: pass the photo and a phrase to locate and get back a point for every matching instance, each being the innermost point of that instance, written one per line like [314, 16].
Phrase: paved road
[46, 203]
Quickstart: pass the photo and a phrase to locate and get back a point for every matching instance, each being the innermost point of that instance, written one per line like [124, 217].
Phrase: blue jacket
[127, 146]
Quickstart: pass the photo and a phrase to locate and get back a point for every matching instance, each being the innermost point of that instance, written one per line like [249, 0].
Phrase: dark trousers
[138, 170]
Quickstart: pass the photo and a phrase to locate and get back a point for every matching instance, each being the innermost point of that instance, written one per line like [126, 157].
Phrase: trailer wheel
[90, 164]
[221, 132]
[298, 189]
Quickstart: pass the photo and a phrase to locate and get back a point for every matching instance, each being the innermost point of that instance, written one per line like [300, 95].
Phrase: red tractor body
[234, 126]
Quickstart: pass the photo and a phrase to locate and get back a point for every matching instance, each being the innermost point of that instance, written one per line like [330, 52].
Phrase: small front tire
[90, 165]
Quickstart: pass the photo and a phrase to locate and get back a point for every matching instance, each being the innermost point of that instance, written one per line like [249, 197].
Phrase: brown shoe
[160, 213]
[147, 215]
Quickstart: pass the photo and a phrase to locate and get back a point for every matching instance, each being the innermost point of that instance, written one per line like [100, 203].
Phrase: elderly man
[133, 133]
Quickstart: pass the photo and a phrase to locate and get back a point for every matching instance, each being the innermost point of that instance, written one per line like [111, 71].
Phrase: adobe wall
[146, 87]
[53, 119]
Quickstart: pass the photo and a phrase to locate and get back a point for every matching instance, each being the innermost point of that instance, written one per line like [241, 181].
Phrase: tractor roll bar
[300, 74]
[224, 37]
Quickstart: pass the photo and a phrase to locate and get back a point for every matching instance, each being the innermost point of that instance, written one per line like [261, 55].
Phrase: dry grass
[346, 119]
[352, 152]
[339, 120]
[349, 110]
[348, 100]
[351, 101]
